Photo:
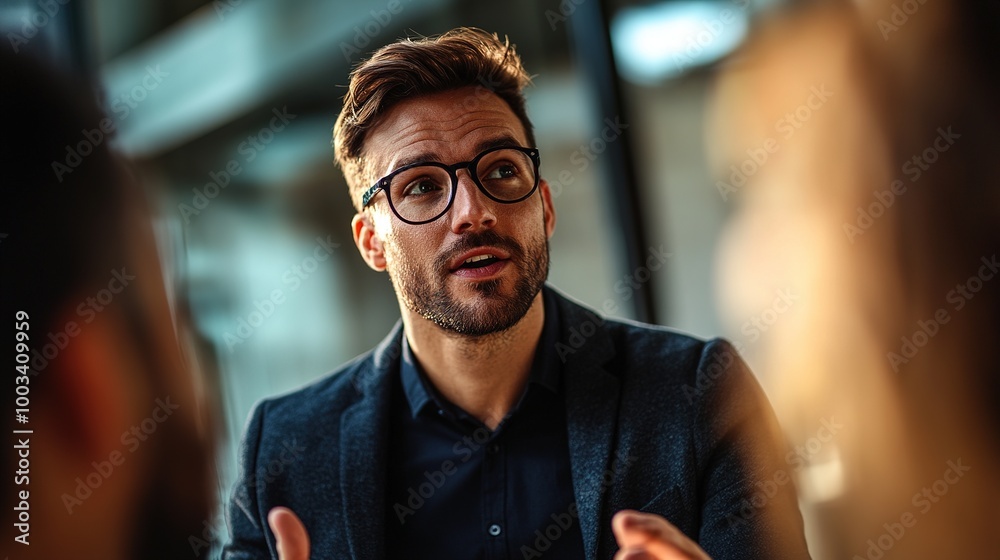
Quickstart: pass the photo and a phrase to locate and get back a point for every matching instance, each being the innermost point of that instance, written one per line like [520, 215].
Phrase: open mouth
[479, 261]
[480, 267]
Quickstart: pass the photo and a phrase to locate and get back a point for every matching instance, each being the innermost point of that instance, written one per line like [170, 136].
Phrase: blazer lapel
[591, 414]
[363, 441]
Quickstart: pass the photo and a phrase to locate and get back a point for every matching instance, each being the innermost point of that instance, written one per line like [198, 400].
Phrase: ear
[368, 242]
[548, 210]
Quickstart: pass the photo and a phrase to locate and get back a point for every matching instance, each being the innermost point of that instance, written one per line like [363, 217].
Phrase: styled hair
[409, 68]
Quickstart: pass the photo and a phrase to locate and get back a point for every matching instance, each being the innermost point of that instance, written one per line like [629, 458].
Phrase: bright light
[653, 43]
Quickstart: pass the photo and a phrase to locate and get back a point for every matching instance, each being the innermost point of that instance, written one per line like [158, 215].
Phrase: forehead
[447, 127]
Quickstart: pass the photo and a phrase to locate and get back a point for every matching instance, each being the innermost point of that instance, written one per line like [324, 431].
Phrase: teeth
[479, 258]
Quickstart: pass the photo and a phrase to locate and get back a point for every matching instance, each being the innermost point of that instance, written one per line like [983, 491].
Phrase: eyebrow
[503, 141]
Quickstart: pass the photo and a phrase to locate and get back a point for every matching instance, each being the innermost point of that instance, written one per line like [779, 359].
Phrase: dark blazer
[657, 421]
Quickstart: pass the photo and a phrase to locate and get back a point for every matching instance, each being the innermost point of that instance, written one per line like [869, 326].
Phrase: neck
[483, 375]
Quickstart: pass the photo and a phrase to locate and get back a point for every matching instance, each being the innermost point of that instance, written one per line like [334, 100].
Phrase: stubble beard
[425, 293]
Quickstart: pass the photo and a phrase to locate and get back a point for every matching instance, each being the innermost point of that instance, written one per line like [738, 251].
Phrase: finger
[634, 554]
[656, 535]
[293, 540]
[626, 525]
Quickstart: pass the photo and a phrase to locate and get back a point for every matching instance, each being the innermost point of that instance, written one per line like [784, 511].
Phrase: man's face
[429, 264]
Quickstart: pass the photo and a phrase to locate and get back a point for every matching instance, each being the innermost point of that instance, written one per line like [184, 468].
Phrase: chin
[488, 288]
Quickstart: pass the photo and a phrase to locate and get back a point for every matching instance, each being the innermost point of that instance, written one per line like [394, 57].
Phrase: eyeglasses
[422, 192]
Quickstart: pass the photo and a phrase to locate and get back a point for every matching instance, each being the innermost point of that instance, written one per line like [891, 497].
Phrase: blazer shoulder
[626, 347]
[671, 356]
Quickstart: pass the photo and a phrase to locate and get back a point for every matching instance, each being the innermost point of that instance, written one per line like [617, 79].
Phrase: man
[480, 428]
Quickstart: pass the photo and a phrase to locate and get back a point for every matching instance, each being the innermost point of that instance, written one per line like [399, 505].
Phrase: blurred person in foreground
[881, 207]
[482, 427]
[114, 467]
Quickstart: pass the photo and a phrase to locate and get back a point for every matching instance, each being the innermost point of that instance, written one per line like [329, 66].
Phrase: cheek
[523, 218]
[382, 221]
[410, 246]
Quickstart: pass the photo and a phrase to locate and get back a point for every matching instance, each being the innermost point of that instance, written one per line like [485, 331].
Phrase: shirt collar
[546, 370]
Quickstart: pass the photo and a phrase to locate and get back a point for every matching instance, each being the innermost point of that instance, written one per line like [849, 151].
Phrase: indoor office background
[226, 109]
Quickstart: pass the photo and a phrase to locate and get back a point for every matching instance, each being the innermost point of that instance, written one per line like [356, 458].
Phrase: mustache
[471, 241]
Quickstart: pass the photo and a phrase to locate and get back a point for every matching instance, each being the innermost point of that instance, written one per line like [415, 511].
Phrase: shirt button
[493, 449]
[494, 529]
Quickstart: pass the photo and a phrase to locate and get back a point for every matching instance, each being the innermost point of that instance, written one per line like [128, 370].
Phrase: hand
[645, 536]
[293, 540]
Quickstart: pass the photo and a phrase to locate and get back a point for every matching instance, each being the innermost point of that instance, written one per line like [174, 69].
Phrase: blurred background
[226, 110]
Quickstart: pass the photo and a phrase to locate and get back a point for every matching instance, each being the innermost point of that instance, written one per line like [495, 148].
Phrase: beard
[424, 291]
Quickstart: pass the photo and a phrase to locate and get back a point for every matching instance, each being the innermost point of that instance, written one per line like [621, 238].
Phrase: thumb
[293, 540]
[629, 528]
[652, 534]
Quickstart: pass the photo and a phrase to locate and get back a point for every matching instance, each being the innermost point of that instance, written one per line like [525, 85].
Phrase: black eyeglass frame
[383, 183]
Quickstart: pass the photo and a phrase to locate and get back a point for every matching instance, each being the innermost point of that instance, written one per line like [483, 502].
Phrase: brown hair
[67, 228]
[462, 57]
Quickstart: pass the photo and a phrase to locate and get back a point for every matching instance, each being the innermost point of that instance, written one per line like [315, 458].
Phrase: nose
[472, 210]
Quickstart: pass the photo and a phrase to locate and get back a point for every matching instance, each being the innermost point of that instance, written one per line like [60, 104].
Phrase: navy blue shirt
[457, 490]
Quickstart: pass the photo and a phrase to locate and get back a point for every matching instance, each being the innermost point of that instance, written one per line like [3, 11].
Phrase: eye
[422, 186]
[504, 170]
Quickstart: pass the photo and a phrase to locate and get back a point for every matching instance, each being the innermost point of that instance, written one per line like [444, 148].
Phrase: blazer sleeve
[746, 487]
[247, 523]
